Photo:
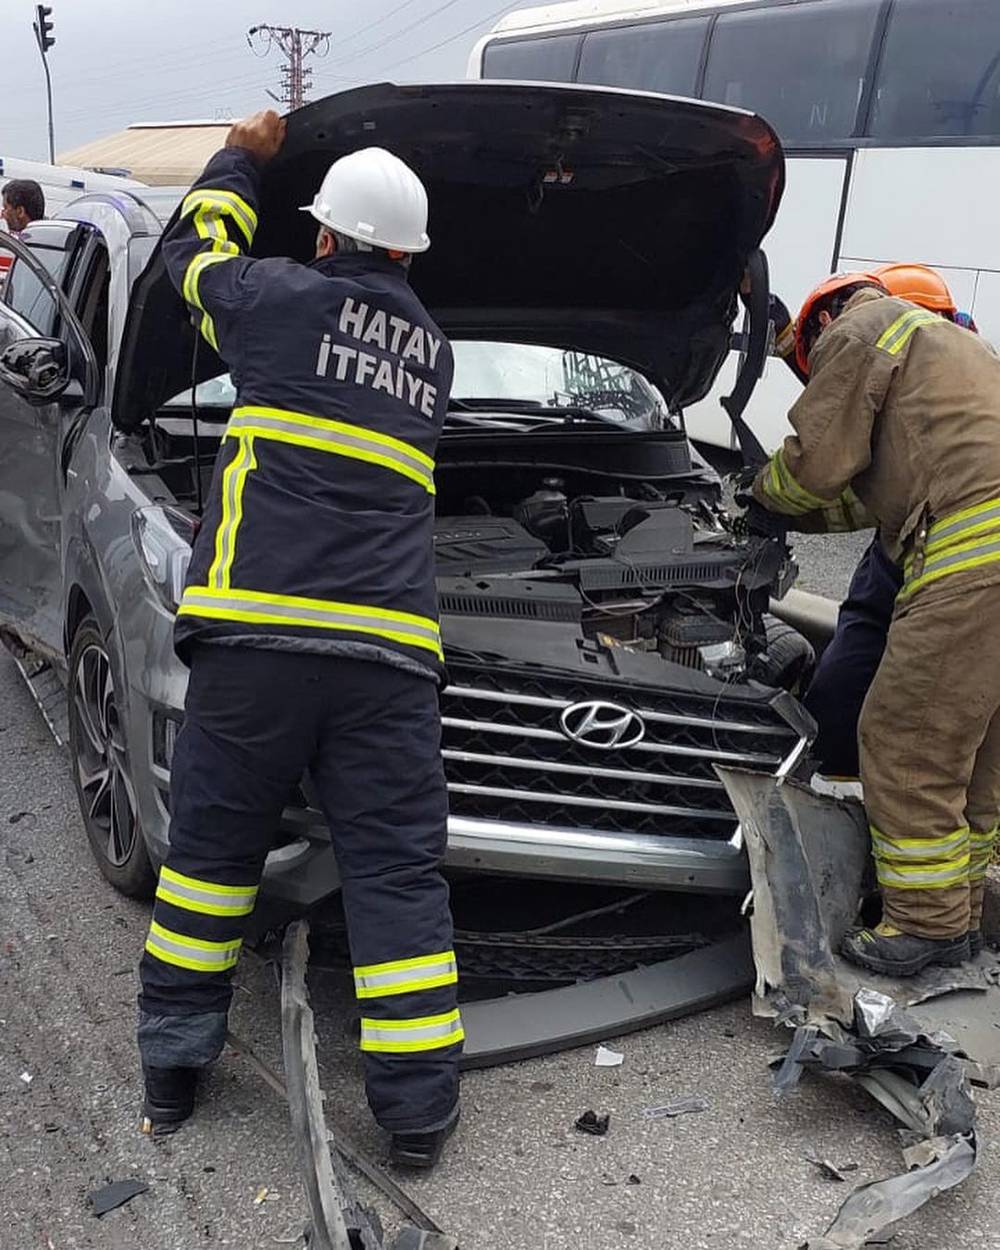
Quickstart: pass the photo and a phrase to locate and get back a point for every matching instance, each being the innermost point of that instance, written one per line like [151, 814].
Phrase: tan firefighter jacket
[899, 426]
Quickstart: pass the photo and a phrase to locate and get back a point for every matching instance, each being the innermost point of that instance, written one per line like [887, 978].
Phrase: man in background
[23, 202]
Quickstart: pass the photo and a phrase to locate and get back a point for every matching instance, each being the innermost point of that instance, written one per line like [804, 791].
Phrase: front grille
[507, 759]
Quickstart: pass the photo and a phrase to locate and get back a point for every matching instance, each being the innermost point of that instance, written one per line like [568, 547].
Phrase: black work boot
[975, 943]
[888, 950]
[421, 1149]
[169, 1098]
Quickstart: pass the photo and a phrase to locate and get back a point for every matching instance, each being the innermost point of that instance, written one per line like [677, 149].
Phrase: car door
[35, 307]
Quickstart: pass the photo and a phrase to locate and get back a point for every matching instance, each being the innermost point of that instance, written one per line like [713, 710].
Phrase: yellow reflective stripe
[339, 437]
[205, 200]
[919, 848]
[916, 878]
[189, 287]
[957, 527]
[958, 559]
[257, 607]
[406, 976]
[927, 319]
[782, 487]
[195, 954]
[206, 897]
[406, 1036]
[981, 853]
[234, 480]
[898, 334]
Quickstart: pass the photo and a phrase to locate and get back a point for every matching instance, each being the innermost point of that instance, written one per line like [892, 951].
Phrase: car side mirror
[37, 369]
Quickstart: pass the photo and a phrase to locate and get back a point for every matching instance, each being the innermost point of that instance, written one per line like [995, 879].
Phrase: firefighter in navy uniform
[309, 625]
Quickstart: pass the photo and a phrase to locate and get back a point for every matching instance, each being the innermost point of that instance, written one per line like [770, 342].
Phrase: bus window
[658, 56]
[940, 72]
[532, 60]
[801, 67]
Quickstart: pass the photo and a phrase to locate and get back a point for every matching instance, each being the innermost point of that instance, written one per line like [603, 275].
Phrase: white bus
[889, 112]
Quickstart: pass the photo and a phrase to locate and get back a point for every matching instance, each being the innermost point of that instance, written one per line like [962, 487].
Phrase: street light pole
[42, 27]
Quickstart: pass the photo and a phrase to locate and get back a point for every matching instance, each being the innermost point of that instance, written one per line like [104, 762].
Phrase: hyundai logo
[606, 726]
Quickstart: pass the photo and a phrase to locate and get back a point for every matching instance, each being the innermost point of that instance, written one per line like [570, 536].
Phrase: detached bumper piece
[338, 1220]
[808, 858]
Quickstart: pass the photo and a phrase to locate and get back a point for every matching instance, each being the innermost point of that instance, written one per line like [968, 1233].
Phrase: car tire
[789, 660]
[101, 772]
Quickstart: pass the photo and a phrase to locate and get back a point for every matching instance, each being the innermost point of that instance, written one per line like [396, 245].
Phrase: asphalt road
[517, 1176]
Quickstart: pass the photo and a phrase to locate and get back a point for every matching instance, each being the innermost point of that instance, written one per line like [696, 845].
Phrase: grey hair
[348, 246]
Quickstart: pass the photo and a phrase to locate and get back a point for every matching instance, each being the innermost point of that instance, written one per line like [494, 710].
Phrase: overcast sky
[121, 61]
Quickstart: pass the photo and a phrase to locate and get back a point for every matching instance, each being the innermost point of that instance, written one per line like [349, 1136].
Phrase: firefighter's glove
[762, 521]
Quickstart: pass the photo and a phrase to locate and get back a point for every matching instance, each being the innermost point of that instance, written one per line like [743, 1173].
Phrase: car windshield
[523, 380]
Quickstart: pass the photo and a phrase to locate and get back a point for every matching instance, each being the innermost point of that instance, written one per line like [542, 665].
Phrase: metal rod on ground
[354, 1155]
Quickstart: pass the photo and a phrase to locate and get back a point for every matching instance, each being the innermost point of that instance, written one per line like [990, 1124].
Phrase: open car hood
[599, 220]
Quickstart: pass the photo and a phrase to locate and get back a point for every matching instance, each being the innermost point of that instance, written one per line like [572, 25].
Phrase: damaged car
[606, 624]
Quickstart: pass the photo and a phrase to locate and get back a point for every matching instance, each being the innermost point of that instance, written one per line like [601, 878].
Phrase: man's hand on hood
[261, 134]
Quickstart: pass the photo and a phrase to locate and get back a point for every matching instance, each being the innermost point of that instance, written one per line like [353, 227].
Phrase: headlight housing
[163, 538]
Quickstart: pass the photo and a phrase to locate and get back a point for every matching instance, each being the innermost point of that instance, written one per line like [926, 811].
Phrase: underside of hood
[605, 221]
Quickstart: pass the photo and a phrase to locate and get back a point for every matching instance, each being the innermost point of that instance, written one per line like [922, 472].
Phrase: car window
[660, 56]
[26, 295]
[520, 373]
[940, 71]
[802, 67]
[532, 60]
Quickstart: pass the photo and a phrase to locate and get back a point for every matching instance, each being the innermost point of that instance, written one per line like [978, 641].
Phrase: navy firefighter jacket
[318, 530]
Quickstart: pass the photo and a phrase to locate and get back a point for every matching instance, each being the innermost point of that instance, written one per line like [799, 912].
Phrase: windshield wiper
[527, 414]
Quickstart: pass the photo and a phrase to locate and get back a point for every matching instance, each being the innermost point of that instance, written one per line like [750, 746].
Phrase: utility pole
[42, 27]
[295, 45]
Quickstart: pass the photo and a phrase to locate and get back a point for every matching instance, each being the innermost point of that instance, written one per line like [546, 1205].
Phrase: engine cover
[465, 546]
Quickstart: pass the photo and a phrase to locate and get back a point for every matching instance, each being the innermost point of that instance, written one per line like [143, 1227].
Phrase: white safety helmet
[376, 198]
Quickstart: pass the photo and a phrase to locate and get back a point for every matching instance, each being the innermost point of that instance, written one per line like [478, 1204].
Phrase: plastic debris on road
[607, 1058]
[115, 1195]
[680, 1106]
[592, 1123]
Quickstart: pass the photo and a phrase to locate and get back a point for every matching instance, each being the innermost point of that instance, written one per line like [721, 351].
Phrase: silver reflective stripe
[335, 440]
[278, 611]
[400, 1035]
[944, 529]
[201, 897]
[200, 956]
[930, 879]
[923, 848]
[419, 976]
[949, 560]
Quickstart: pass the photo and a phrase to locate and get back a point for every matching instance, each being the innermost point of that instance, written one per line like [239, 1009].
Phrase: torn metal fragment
[680, 1106]
[115, 1195]
[592, 1123]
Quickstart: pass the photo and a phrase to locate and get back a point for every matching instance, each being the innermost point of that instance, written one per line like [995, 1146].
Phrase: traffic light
[43, 27]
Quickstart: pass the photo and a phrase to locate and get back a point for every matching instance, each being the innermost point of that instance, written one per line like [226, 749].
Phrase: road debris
[115, 1195]
[607, 1058]
[831, 1170]
[689, 1105]
[27, 1078]
[809, 863]
[592, 1123]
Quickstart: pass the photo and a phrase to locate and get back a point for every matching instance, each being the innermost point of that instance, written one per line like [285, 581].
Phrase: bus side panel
[936, 206]
[800, 250]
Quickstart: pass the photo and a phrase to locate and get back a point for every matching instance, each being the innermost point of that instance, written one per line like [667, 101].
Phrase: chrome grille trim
[651, 748]
[647, 714]
[576, 800]
[553, 766]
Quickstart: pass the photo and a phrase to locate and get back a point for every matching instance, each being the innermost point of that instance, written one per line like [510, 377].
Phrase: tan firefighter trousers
[930, 758]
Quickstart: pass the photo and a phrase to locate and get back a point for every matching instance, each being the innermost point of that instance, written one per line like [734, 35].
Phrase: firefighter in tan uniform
[899, 426]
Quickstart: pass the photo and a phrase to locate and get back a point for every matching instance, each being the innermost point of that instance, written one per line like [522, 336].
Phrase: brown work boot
[888, 950]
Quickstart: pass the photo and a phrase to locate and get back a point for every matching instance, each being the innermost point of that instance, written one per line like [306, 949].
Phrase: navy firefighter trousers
[369, 734]
[848, 665]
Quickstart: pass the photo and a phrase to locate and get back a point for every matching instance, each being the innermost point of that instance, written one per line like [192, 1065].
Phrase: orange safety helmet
[830, 286]
[919, 284]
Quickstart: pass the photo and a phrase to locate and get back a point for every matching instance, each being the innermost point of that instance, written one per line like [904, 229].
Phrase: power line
[492, 17]
[398, 34]
[296, 45]
[379, 21]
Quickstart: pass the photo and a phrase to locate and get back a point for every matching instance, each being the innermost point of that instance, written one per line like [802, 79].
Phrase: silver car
[606, 631]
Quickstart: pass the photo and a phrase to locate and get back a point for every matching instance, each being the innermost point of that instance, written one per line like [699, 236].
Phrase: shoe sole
[894, 968]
